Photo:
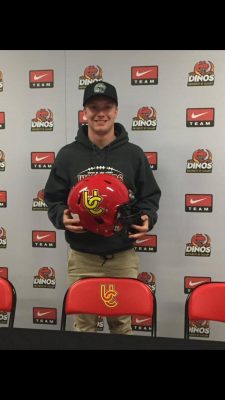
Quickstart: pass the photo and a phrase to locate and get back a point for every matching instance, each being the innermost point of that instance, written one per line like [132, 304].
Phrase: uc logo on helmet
[92, 202]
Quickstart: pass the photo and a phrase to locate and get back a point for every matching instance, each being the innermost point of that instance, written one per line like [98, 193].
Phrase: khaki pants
[124, 264]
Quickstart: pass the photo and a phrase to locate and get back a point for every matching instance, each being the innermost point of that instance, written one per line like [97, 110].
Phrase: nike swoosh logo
[192, 201]
[40, 314]
[141, 241]
[39, 237]
[138, 74]
[193, 115]
[195, 283]
[139, 321]
[40, 158]
[37, 77]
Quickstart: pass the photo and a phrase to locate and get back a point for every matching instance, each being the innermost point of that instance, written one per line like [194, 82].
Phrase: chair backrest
[8, 299]
[109, 297]
[205, 302]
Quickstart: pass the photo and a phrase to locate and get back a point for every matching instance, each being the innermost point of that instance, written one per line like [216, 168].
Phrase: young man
[101, 147]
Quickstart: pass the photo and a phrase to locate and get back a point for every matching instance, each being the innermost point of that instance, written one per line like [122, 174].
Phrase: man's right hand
[71, 223]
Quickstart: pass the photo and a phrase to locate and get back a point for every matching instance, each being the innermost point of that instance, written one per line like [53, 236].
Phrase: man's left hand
[141, 229]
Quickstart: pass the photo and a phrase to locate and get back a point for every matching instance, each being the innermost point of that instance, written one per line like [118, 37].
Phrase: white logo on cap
[100, 88]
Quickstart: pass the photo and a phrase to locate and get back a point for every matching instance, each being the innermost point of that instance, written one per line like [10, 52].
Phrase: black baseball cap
[100, 89]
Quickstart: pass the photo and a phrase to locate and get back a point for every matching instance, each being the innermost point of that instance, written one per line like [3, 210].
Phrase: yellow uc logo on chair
[109, 295]
[92, 202]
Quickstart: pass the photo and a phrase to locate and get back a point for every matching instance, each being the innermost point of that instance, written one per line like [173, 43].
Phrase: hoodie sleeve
[148, 192]
[56, 193]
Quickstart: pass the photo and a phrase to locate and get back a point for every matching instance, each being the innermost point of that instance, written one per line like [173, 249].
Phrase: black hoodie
[81, 158]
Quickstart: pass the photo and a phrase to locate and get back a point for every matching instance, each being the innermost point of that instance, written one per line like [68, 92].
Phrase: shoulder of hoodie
[134, 148]
[70, 147]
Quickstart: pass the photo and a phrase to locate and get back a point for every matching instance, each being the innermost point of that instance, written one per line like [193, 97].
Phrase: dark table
[43, 339]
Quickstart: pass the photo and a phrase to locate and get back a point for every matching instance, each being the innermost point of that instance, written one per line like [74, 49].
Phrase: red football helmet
[96, 200]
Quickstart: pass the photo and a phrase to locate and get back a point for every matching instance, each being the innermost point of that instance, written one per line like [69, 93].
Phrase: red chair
[205, 302]
[8, 299]
[109, 297]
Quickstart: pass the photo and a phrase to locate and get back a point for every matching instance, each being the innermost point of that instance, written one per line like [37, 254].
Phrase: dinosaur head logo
[146, 113]
[202, 155]
[204, 68]
[93, 72]
[200, 240]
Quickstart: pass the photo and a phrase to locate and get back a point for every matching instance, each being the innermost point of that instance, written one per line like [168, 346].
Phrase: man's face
[101, 113]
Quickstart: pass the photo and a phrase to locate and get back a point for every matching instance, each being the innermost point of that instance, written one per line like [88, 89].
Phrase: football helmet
[97, 200]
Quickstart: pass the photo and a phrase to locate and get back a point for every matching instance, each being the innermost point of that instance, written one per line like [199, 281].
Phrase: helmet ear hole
[99, 221]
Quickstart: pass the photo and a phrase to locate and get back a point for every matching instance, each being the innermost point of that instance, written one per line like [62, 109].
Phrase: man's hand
[141, 229]
[71, 223]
